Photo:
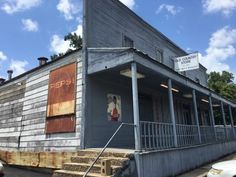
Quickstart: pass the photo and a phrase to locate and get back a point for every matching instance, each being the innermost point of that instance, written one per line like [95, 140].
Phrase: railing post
[212, 116]
[172, 112]
[232, 120]
[223, 117]
[196, 116]
[136, 107]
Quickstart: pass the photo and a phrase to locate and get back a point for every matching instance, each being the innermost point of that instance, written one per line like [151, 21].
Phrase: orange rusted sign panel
[61, 91]
[61, 124]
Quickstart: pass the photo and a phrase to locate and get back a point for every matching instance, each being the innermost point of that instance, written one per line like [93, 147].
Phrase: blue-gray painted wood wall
[108, 21]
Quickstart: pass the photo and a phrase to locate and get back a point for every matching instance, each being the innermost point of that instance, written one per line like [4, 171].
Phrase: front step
[65, 173]
[80, 163]
[83, 167]
[115, 161]
[93, 153]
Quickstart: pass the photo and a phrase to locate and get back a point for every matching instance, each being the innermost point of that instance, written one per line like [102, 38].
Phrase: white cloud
[18, 66]
[226, 7]
[69, 9]
[13, 6]
[58, 45]
[79, 30]
[29, 25]
[129, 3]
[221, 48]
[2, 56]
[173, 10]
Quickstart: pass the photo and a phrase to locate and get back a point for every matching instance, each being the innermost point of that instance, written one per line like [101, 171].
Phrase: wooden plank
[11, 88]
[61, 124]
[37, 90]
[12, 98]
[37, 159]
[61, 93]
[55, 159]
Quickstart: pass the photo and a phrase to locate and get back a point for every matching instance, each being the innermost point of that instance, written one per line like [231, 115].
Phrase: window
[159, 54]
[127, 42]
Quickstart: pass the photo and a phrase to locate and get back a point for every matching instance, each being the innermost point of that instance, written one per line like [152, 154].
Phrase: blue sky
[34, 28]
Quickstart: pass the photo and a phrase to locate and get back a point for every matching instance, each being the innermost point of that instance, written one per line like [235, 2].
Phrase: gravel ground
[20, 172]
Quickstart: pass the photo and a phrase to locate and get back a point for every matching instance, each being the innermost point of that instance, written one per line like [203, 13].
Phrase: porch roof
[102, 59]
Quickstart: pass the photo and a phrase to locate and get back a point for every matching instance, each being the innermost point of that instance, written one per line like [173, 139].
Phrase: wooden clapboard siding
[23, 111]
[11, 106]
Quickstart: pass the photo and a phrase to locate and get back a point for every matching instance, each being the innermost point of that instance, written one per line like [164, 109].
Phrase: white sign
[188, 62]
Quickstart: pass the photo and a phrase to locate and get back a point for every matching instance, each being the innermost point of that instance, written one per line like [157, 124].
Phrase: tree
[75, 40]
[75, 43]
[55, 56]
[223, 84]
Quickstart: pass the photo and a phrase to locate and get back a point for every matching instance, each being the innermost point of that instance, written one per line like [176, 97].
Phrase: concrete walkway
[202, 171]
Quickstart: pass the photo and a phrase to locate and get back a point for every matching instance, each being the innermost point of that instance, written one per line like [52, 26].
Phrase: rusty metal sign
[61, 124]
[61, 91]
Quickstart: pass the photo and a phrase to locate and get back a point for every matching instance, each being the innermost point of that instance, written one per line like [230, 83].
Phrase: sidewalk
[202, 171]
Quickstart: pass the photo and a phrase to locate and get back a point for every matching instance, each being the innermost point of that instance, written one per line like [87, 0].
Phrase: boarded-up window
[61, 124]
[61, 100]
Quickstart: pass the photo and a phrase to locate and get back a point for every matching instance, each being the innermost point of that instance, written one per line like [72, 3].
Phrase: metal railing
[156, 135]
[220, 134]
[105, 147]
[230, 133]
[187, 135]
[207, 134]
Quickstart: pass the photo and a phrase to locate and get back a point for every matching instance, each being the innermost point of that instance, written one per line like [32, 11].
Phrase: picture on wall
[114, 107]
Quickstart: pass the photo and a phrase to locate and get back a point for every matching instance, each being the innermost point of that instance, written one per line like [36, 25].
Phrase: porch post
[196, 116]
[172, 112]
[223, 117]
[232, 120]
[135, 107]
[212, 116]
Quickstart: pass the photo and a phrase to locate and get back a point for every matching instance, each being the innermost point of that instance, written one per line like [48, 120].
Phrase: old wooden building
[123, 81]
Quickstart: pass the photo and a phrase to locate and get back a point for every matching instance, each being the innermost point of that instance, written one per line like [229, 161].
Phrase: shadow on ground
[11, 171]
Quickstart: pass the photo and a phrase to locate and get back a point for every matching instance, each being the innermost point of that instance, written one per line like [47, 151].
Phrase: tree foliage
[223, 84]
[75, 40]
[55, 56]
[75, 43]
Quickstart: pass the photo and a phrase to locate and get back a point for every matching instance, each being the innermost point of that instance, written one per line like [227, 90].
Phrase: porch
[168, 109]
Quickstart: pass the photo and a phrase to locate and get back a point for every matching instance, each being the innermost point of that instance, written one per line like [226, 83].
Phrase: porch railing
[157, 136]
[207, 134]
[230, 133]
[187, 135]
[220, 134]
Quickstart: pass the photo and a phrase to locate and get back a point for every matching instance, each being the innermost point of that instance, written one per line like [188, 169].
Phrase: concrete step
[65, 173]
[83, 167]
[115, 161]
[94, 153]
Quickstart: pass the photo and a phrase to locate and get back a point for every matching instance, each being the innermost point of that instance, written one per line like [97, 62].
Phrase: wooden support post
[172, 112]
[136, 107]
[212, 116]
[223, 117]
[196, 116]
[232, 120]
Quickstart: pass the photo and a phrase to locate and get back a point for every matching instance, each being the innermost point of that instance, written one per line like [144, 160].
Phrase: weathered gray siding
[108, 21]
[23, 111]
[11, 107]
